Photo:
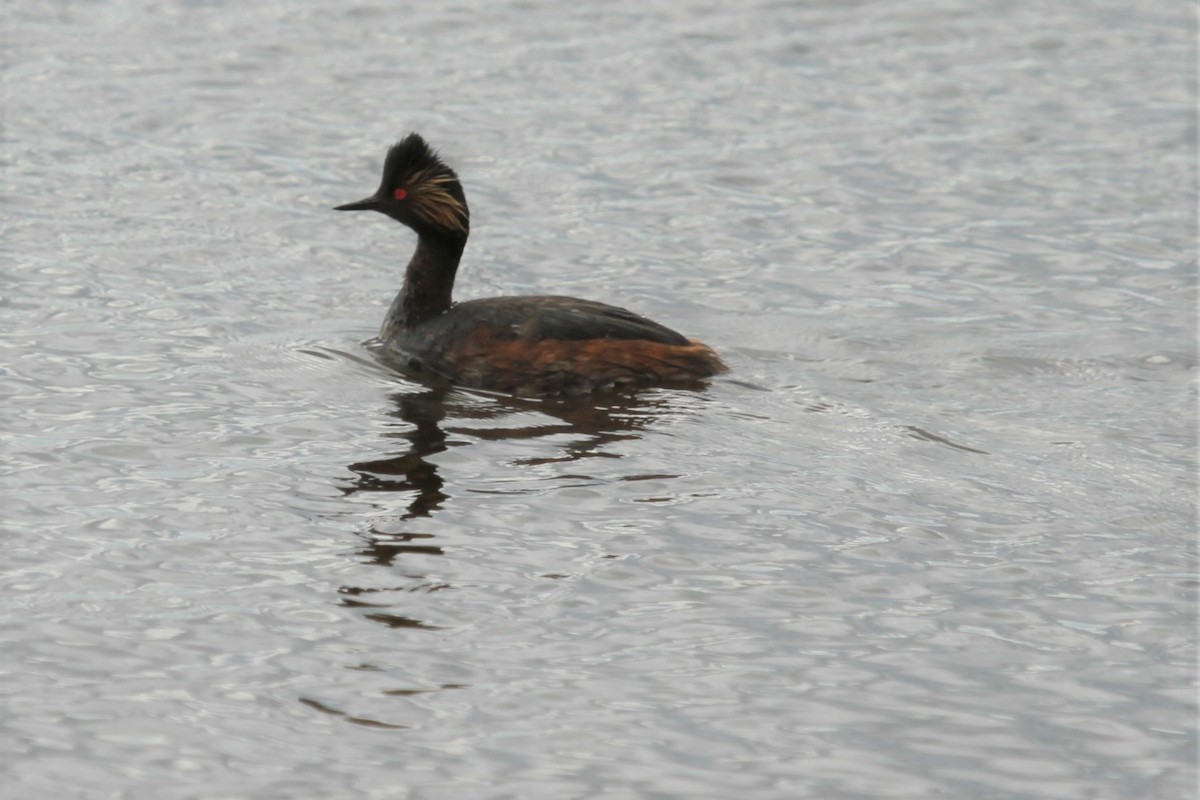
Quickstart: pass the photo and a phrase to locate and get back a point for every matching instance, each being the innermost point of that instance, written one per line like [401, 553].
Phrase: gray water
[933, 536]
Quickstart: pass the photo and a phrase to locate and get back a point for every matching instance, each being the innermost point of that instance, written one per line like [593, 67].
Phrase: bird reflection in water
[429, 421]
[426, 434]
[435, 419]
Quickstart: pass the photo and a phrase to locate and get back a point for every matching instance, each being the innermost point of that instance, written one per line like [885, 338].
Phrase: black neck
[428, 282]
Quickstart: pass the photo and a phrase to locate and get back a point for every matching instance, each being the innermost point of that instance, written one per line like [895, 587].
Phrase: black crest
[432, 187]
[412, 158]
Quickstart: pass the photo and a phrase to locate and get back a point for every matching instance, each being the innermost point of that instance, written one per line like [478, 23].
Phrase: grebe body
[528, 345]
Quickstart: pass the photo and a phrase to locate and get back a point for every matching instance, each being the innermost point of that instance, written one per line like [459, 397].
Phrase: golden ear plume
[433, 202]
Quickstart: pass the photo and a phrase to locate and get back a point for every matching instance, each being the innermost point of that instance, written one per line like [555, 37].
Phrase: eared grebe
[539, 345]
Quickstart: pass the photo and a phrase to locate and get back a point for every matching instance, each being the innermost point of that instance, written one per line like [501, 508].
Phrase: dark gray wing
[569, 318]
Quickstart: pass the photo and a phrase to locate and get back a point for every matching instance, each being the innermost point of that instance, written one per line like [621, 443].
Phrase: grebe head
[419, 191]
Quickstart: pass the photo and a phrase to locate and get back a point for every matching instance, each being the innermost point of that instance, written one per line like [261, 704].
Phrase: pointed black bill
[367, 204]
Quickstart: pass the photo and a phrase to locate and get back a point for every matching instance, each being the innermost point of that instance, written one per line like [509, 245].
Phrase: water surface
[933, 536]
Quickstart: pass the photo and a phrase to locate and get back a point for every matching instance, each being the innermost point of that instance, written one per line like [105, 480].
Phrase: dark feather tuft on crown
[433, 188]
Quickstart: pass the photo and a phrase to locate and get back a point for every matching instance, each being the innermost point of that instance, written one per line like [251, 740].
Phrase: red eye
[399, 194]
